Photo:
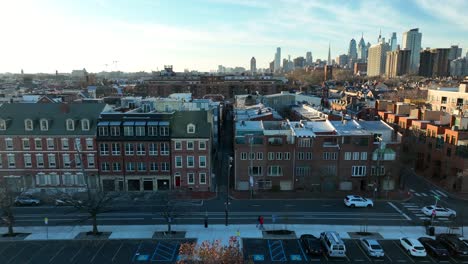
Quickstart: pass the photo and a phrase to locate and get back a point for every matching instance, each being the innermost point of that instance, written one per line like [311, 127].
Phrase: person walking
[260, 221]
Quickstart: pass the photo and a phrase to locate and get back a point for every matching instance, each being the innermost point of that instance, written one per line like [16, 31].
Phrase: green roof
[55, 113]
[182, 119]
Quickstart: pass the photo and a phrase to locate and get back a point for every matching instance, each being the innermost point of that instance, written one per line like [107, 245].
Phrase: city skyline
[145, 35]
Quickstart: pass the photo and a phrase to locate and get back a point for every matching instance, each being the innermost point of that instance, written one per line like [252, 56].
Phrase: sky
[144, 35]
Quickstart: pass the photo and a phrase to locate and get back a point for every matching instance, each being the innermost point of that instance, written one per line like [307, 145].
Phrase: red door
[177, 181]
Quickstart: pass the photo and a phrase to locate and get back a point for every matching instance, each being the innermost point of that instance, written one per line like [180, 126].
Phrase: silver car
[24, 200]
[372, 247]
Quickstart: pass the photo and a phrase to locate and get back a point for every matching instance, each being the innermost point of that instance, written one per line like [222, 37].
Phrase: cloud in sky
[144, 34]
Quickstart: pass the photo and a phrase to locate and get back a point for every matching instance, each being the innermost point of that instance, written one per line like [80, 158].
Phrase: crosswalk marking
[424, 194]
[417, 194]
[442, 193]
[434, 193]
[411, 190]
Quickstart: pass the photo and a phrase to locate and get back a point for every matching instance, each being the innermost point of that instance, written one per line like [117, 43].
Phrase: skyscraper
[434, 63]
[397, 63]
[352, 52]
[278, 59]
[412, 41]
[393, 42]
[329, 62]
[253, 65]
[455, 52]
[362, 50]
[377, 59]
[309, 58]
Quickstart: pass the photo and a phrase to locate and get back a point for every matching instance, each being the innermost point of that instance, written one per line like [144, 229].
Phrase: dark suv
[453, 243]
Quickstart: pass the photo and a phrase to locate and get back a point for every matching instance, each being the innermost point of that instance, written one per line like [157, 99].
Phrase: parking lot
[86, 251]
[290, 251]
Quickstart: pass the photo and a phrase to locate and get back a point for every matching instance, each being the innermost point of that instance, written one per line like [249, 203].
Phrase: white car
[372, 247]
[357, 201]
[413, 247]
[439, 211]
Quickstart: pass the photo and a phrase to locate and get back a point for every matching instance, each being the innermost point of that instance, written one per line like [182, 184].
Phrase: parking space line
[37, 252]
[137, 252]
[56, 254]
[98, 251]
[404, 253]
[115, 255]
[78, 252]
[1, 251]
[360, 248]
[302, 250]
[13, 258]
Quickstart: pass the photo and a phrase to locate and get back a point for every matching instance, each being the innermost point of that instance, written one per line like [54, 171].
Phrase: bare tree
[6, 204]
[168, 210]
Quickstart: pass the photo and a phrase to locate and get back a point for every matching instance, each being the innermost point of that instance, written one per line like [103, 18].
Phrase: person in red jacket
[260, 222]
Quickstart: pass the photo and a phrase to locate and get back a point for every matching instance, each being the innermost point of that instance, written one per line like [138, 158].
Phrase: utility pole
[78, 150]
[227, 203]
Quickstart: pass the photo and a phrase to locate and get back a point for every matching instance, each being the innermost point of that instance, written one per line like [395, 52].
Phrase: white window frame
[40, 160]
[141, 149]
[2, 124]
[52, 160]
[177, 145]
[129, 149]
[154, 166]
[190, 129]
[44, 124]
[201, 145]
[271, 156]
[202, 175]
[66, 160]
[356, 155]
[89, 144]
[105, 166]
[308, 155]
[38, 146]
[104, 149]
[115, 131]
[103, 131]
[115, 149]
[70, 124]
[141, 166]
[243, 156]
[91, 160]
[77, 160]
[259, 170]
[358, 171]
[165, 166]
[363, 155]
[287, 156]
[130, 166]
[259, 155]
[26, 144]
[347, 155]
[28, 124]
[190, 180]
[152, 131]
[275, 170]
[192, 143]
[202, 161]
[178, 161]
[9, 144]
[279, 155]
[153, 149]
[116, 166]
[85, 124]
[27, 161]
[164, 149]
[140, 131]
[129, 131]
[65, 143]
[50, 143]
[192, 159]
[164, 131]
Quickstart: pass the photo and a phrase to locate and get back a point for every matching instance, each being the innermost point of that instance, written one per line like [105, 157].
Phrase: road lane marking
[92, 260]
[115, 255]
[399, 211]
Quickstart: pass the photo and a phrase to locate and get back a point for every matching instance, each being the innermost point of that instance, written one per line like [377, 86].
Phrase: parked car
[25, 200]
[439, 211]
[357, 201]
[372, 247]
[413, 247]
[434, 247]
[311, 244]
[454, 245]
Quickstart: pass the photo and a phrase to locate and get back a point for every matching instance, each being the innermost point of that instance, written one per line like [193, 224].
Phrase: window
[177, 145]
[347, 156]
[28, 125]
[201, 145]
[44, 124]
[255, 171]
[128, 131]
[1, 161]
[271, 155]
[252, 155]
[27, 161]
[304, 142]
[85, 124]
[363, 155]
[164, 131]
[153, 166]
[51, 158]
[164, 149]
[178, 161]
[116, 166]
[2, 124]
[141, 166]
[275, 171]
[190, 129]
[190, 178]
[103, 131]
[73, 179]
[300, 155]
[54, 179]
[70, 124]
[202, 178]
[141, 149]
[189, 145]
[355, 155]
[104, 148]
[90, 161]
[115, 131]
[330, 155]
[65, 144]
[89, 144]
[243, 156]
[308, 155]
[380, 173]
[287, 156]
[279, 155]
[38, 143]
[129, 149]
[105, 166]
[302, 171]
[39, 160]
[9, 143]
[202, 161]
[140, 131]
[259, 155]
[164, 166]
[358, 171]
[66, 160]
[50, 143]
[153, 149]
[77, 160]
[115, 149]
[190, 162]
[264, 184]
[152, 131]
[26, 145]
[130, 166]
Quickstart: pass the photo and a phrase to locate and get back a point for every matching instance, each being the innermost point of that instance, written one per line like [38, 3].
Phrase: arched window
[2, 124]
[28, 125]
[70, 123]
[44, 125]
[190, 128]
[85, 124]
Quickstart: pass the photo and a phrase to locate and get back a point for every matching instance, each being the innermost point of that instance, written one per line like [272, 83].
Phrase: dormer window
[2, 124]
[70, 124]
[44, 125]
[190, 128]
[85, 124]
[28, 125]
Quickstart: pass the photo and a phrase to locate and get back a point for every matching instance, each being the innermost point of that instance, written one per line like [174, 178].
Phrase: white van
[334, 246]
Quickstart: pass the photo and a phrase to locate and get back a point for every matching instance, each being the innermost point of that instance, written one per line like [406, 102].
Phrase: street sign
[46, 220]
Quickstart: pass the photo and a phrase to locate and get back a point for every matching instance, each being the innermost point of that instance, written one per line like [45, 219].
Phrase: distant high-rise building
[393, 42]
[342, 60]
[22, 72]
[459, 67]
[455, 52]
[278, 59]
[412, 41]
[397, 63]
[328, 72]
[377, 59]
[309, 58]
[362, 50]
[434, 63]
[299, 62]
[352, 52]
[329, 61]
[253, 65]
[286, 67]
[272, 66]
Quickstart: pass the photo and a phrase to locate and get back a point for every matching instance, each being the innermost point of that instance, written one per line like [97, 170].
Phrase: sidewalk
[216, 232]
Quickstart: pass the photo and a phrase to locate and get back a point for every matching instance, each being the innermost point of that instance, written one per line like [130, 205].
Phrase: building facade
[377, 58]
[398, 62]
[412, 41]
